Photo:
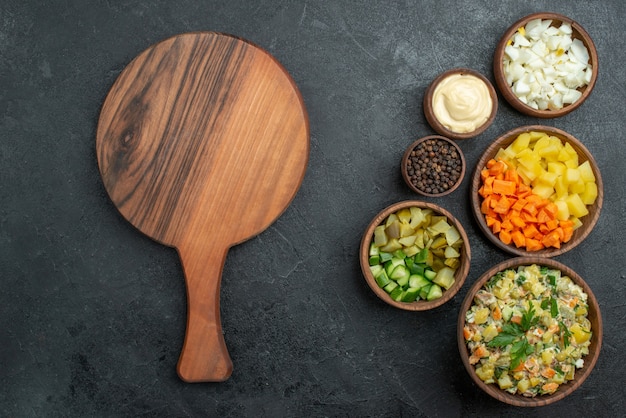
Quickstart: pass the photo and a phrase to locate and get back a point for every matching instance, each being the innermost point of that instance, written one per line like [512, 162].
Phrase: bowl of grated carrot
[536, 191]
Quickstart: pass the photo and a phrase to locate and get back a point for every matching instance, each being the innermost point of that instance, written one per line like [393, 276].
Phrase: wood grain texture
[202, 143]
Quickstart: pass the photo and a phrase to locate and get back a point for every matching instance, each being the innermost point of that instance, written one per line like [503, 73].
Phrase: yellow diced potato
[390, 219]
[570, 149]
[506, 154]
[580, 334]
[406, 231]
[542, 143]
[408, 241]
[535, 135]
[505, 382]
[547, 357]
[563, 155]
[391, 246]
[572, 175]
[576, 206]
[534, 381]
[577, 187]
[543, 190]
[393, 229]
[590, 193]
[561, 188]
[521, 142]
[572, 162]
[550, 152]
[577, 222]
[547, 178]
[411, 250]
[527, 154]
[586, 173]
[556, 167]
[404, 215]
[560, 378]
[481, 316]
[485, 372]
[526, 175]
[547, 336]
[523, 385]
[562, 213]
[490, 332]
[417, 217]
[580, 310]
[380, 237]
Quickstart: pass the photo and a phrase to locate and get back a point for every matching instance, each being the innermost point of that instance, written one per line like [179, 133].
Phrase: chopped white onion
[544, 66]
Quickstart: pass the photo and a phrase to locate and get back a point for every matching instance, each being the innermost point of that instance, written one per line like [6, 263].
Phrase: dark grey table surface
[92, 313]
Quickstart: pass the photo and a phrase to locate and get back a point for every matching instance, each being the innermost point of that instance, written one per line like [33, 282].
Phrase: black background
[92, 313]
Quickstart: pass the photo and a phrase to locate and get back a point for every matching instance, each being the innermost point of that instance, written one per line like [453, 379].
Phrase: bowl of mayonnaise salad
[529, 331]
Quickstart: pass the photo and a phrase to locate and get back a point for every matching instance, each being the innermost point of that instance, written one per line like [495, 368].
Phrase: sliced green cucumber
[422, 256]
[416, 268]
[376, 269]
[392, 264]
[396, 294]
[382, 279]
[390, 286]
[417, 281]
[434, 292]
[384, 257]
[400, 272]
[411, 295]
[430, 274]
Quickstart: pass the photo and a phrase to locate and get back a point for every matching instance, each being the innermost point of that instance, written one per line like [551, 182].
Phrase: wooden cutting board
[202, 143]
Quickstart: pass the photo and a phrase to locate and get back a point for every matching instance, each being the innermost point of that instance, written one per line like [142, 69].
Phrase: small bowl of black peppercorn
[433, 166]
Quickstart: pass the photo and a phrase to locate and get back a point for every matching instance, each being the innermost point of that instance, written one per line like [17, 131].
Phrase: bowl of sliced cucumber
[415, 255]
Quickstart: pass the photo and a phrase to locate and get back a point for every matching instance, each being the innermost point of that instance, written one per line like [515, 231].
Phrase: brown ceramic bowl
[420, 305]
[433, 166]
[588, 221]
[463, 101]
[589, 360]
[498, 70]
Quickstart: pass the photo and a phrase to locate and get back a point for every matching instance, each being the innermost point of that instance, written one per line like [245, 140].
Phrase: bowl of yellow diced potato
[536, 191]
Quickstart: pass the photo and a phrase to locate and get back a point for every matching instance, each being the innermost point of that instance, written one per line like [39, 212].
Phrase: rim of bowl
[459, 276]
[498, 71]
[407, 154]
[589, 221]
[581, 375]
[438, 126]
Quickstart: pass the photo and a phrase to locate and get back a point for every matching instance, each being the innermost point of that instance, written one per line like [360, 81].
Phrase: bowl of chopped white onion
[545, 65]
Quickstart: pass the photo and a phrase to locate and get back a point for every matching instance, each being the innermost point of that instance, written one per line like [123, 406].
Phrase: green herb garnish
[566, 334]
[528, 317]
[519, 351]
[552, 280]
[509, 334]
[552, 304]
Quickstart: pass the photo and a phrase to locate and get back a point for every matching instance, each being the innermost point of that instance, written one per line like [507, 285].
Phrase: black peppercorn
[433, 166]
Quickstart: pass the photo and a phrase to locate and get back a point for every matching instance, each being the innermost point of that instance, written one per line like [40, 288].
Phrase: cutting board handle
[204, 357]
